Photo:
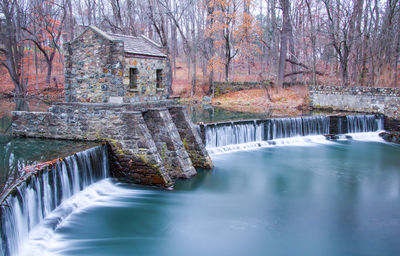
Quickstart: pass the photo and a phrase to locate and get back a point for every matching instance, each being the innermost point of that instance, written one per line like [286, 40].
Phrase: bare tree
[44, 29]
[286, 29]
[341, 27]
[313, 42]
[13, 44]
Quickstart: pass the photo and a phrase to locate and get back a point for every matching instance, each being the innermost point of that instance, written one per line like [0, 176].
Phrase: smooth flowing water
[337, 198]
[293, 195]
[42, 198]
[241, 135]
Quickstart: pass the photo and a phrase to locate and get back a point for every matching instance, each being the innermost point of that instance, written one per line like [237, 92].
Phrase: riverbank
[291, 101]
[48, 94]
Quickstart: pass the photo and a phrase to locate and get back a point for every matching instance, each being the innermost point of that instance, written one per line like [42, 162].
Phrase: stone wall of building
[226, 87]
[93, 68]
[97, 68]
[147, 79]
[358, 99]
[136, 134]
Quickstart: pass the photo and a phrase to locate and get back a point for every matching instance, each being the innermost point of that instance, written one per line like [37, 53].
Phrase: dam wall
[226, 136]
[146, 145]
[357, 99]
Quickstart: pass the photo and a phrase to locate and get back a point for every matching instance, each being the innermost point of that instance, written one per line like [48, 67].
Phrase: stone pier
[152, 144]
[169, 144]
[191, 138]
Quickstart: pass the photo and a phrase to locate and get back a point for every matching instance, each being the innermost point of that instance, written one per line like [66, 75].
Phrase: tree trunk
[211, 89]
[285, 4]
[396, 48]
[13, 48]
[312, 34]
[292, 52]
[227, 71]
[173, 49]
[49, 70]
[275, 36]
[344, 71]
[211, 50]
[227, 54]
[36, 69]
[70, 24]
[194, 63]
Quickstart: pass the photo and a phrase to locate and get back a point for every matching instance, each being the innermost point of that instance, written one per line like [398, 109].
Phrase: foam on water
[293, 131]
[294, 141]
[42, 238]
[36, 200]
[364, 136]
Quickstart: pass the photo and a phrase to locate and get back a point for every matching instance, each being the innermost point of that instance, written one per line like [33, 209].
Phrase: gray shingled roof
[139, 45]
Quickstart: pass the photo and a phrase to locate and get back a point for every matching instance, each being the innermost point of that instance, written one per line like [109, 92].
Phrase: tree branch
[304, 72]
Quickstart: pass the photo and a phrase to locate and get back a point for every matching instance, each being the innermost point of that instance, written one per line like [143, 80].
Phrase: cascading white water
[244, 135]
[233, 133]
[363, 123]
[283, 128]
[296, 126]
[31, 201]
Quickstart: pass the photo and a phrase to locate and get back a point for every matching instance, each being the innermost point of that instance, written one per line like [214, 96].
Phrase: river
[301, 197]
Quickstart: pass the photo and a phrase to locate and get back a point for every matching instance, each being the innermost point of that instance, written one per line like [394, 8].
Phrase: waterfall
[224, 134]
[243, 135]
[30, 201]
[364, 123]
[279, 128]
[218, 135]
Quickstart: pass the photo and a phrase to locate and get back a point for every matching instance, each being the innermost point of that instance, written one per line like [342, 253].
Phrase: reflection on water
[17, 104]
[210, 114]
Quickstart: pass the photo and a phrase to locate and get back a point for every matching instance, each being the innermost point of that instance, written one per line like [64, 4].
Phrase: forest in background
[334, 42]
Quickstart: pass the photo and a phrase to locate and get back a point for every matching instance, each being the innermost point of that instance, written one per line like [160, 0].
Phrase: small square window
[159, 74]
[133, 74]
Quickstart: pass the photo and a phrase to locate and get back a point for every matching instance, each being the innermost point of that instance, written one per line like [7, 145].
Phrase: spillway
[30, 200]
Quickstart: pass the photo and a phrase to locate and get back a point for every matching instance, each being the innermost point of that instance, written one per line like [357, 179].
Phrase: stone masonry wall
[226, 87]
[93, 68]
[126, 132]
[169, 144]
[147, 79]
[191, 138]
[97, 68]
[359, 99]
[137, 150]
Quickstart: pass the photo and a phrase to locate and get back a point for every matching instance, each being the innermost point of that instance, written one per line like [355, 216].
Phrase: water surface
[16, 153]
[339, 198]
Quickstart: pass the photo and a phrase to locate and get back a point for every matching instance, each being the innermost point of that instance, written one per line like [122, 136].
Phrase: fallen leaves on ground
[287, 100]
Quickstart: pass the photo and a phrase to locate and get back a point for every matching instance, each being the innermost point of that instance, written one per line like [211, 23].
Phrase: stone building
[104, 67]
